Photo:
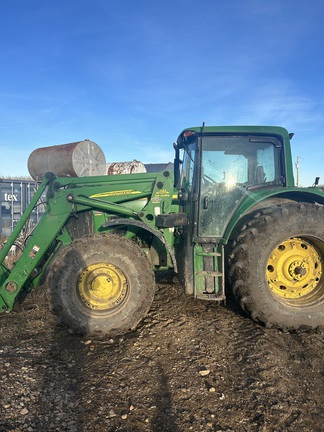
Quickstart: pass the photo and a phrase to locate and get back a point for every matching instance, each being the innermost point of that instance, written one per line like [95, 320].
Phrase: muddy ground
[190, 366]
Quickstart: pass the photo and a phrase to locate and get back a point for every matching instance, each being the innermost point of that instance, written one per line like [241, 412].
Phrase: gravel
[190, 366]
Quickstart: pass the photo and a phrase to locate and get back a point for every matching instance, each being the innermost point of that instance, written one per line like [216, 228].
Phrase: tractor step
[201, 253]
[209, 297]
[209, 272]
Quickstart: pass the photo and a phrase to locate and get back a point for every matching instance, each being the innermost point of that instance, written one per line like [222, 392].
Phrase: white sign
[10, 197]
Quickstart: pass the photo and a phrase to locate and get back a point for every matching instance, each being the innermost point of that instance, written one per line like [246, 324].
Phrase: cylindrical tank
[78, 159]
[125, 167]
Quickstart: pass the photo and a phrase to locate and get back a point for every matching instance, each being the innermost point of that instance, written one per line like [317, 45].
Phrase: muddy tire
[277, 266]
[102, 285]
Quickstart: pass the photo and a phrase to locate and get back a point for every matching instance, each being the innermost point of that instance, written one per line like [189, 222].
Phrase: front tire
[277, 264]
[101, 285]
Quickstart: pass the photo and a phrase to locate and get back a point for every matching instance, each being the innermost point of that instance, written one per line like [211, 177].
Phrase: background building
[15, 195]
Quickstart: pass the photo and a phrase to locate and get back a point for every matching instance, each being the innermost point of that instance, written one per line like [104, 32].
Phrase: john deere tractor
[227, 218]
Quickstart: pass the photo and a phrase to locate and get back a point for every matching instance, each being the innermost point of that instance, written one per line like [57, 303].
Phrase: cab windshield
[230, 167]
[241, 160]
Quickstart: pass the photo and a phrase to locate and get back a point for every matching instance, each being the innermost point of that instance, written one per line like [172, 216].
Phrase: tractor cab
[219, 167]
[217, 170]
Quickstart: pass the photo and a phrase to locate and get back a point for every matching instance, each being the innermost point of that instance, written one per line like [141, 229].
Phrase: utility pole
[297, 171]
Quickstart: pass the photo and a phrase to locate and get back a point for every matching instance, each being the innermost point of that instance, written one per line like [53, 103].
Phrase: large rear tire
[277, 264]
[101, 285]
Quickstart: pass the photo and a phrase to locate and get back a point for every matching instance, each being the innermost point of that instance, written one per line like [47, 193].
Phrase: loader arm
[141, 197]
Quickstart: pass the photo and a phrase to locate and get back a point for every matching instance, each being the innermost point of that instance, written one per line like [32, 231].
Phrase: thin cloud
[278, 101]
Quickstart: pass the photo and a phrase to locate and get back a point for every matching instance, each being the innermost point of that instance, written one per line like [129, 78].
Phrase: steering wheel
[208, 181]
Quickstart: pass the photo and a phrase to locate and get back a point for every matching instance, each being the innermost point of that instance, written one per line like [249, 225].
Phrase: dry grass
[13, 254]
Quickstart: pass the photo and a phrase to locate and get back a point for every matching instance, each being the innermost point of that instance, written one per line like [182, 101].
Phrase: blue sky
[131, 74]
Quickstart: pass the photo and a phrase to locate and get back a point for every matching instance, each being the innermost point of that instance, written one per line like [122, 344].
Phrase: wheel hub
[102, 286]
[298, 269]
[294, 270]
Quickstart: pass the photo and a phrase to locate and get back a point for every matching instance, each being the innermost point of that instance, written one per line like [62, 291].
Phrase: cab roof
[201, 130]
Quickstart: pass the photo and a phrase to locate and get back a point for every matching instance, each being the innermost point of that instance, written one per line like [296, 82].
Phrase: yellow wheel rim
[294, 271]
[102, 286]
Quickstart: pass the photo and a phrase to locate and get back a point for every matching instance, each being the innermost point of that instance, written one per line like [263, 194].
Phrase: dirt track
[190, 366]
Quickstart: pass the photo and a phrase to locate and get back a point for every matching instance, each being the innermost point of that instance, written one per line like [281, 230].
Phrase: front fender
[142, 225]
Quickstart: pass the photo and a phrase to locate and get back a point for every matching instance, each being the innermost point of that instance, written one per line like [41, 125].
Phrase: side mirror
[317, 179]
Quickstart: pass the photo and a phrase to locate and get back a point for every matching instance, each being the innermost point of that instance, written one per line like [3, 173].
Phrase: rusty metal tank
[132, 167]
[78, 159]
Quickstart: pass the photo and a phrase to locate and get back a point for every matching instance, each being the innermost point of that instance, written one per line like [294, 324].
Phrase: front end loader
[95, 248]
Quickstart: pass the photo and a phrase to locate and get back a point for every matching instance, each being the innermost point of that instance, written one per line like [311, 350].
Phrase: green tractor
[228, 217]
